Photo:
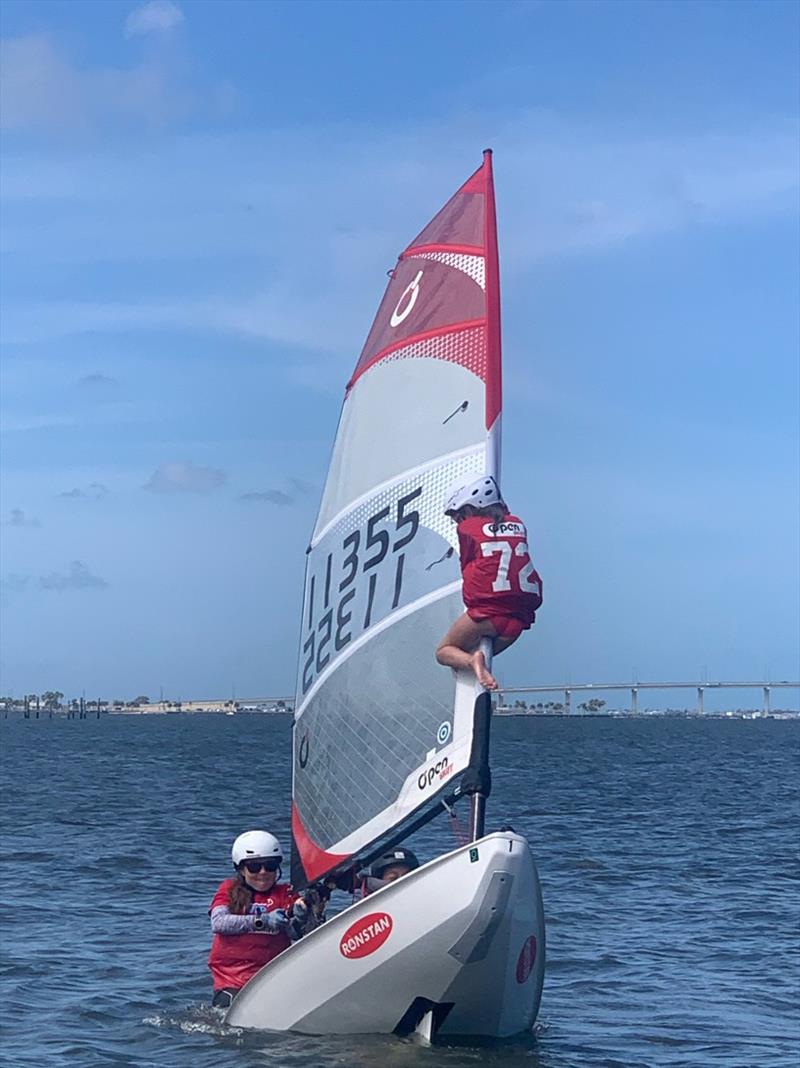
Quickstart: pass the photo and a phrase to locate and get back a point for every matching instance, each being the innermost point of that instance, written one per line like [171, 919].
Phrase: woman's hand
[273, 921]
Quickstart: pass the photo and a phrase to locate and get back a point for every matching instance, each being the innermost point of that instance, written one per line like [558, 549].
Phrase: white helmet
[480, 494]
[255, 844]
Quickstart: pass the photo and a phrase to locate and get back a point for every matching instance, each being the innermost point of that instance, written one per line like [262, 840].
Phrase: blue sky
[199, 204]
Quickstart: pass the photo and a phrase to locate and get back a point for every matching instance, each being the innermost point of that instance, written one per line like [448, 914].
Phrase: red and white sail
[381, 730]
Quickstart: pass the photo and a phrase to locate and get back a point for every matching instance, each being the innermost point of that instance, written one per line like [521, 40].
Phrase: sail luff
[494, 371]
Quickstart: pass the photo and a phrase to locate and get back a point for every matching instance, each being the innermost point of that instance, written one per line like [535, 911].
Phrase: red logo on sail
[366, 935]
[527, 959]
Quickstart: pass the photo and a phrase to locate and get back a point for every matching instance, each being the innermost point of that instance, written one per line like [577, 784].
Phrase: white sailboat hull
[454, 948]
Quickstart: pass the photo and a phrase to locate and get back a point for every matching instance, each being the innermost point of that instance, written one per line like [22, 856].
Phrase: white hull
[454, 948]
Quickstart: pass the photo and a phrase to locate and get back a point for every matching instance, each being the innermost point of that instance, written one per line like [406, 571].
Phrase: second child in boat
[388, 868]
[501, 588]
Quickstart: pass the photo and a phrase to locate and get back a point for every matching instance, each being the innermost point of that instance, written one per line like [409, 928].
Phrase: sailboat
[385, 739]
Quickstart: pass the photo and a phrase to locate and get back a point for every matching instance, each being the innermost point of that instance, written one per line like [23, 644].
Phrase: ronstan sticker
[366, 935]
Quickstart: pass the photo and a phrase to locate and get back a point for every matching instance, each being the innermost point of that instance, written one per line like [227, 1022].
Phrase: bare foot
[485, 677]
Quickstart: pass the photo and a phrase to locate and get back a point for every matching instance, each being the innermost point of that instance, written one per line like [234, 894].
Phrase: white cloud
[157, 16]
[79, 577]
[94, 491]
[577, 187]
[19, 518]
[273, 314]
[14, 583]
[185, 477]
[16, 424]
[40, 88]
[273, 496]
[318, 242]
[37, 87]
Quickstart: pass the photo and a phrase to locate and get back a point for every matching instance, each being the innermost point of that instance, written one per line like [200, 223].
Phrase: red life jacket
[235, 958]
[499, 576]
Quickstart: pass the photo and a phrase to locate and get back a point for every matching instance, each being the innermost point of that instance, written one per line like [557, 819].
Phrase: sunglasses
[255, 866]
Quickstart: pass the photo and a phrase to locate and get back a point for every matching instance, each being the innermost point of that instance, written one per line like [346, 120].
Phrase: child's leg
[499, 645]
[507, 629]
[459, 648]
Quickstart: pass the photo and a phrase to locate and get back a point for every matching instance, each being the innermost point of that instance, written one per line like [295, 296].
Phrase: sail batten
[433, 351]
[381, 730]
[464, 250]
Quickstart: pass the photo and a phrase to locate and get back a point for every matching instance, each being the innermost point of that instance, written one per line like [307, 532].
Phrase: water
[667, 849]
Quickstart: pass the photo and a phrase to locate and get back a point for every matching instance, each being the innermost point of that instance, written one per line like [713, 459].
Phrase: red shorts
[509, 627]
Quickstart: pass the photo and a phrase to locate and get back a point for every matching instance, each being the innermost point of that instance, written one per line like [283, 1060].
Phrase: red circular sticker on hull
[366, 935]
[526, 959]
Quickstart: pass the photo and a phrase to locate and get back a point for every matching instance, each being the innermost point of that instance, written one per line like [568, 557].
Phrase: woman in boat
[501, 588]
[249, 914]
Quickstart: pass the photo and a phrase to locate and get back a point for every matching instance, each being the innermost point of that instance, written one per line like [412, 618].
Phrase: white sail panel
[408, 391]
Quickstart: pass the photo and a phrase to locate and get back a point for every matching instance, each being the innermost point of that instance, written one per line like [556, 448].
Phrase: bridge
[633, 688]
[80, 708]
[568, 689]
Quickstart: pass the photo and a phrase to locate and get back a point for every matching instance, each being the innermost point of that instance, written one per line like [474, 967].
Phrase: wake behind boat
[384, 738]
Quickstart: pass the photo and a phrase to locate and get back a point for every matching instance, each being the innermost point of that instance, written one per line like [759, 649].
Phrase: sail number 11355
[331, 617]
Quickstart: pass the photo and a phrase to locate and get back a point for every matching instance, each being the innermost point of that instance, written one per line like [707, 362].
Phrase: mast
[479, 784]
[494, 362]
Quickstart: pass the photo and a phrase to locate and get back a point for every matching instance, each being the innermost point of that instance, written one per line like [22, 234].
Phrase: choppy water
[667, 849]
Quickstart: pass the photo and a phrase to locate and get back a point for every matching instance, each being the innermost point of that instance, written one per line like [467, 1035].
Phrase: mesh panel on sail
[404, 699]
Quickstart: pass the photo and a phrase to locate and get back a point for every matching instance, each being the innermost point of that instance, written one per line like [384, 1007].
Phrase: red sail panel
[446, 285]
[460, 222]
[437, 297]
[315, 861]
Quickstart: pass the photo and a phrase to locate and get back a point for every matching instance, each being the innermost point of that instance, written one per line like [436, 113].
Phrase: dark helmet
[398, 855]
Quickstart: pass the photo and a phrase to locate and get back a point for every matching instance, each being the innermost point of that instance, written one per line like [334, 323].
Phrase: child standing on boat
[501, 588]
